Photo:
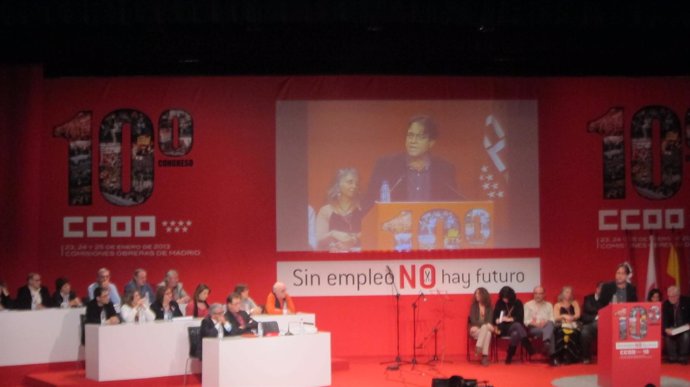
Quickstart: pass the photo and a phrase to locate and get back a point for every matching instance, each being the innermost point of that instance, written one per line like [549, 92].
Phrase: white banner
[374, 278]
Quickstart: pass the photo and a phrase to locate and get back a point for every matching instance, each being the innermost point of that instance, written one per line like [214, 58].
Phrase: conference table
[278, 361]
[155, 349]
[40, 336]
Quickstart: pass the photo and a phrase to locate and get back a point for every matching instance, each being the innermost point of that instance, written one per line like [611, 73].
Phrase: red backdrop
[229, 192]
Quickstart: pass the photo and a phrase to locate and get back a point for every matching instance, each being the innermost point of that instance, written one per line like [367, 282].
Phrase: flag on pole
[651, 267]
[673, 266]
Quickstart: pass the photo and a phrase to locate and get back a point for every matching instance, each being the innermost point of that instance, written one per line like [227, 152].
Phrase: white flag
[651, 267]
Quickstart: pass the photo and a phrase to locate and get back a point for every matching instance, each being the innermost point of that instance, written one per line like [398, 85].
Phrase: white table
[301, 360]
[287, 321]
[40, 336]
[138, 351]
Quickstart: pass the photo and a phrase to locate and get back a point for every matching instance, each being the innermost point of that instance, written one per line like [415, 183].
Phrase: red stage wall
[228, 191]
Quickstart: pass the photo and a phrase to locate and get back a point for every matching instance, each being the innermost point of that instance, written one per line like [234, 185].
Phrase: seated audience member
[619, 290]
[278, 301]
[248, 305]
[33, 296]
[103, 281]
[134, 309]
[654, 295]
[481, 329]
[5, 300]
[509, 318]
[239, 319]
[100, 310]
[172, 281]
[198, 307]
[165, 307]
[139, 283]
[567, 315]
[676, 314]
[64, 297]
[539, 322]
[214, 325]
[589, 319]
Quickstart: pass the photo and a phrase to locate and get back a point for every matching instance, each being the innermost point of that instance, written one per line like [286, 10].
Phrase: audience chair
[194, 335]
[500, 344]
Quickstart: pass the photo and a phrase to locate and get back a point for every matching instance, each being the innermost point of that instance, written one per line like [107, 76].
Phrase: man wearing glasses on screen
[415, 175]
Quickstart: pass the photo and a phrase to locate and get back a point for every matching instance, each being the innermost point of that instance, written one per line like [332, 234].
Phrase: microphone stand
[414, 329]
[395, 364]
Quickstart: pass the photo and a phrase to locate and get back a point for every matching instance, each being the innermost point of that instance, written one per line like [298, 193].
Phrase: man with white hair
[278, 301]
[172, 281]
[103, 281]
[213, 325]
[676, 316]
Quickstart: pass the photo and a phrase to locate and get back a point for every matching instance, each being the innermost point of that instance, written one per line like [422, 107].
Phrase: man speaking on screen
[416, 175]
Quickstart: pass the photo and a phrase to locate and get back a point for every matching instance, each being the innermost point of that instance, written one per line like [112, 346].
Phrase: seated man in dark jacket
[589, 319]
[213, 325]
[101, 310]
[239, 319]
[33, 296]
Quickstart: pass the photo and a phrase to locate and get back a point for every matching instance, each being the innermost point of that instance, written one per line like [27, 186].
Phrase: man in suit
[415, 175]
[676, 314]
[101, 310]
[33, 296]
[213, 325]
[619, 290]
[241, 322]
[590, 326]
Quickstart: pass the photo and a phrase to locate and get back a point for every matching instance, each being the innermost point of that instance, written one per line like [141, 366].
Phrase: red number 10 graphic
[610, 127]
[113, 166]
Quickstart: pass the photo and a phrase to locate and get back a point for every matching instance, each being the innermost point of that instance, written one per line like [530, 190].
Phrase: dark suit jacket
[23, 300]
[609, 289]
[518, 314]
[6, 301]
[394, 169]
[208, 328]
[248, 322]
[57, 298]
[667, 311]
[93, 311]
[590, 309]
[157, 308]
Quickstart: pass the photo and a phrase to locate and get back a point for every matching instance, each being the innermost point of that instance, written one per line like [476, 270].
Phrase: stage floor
[365, 372]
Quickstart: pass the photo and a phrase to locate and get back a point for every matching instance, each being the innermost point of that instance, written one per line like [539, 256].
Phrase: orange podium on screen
[404, 226]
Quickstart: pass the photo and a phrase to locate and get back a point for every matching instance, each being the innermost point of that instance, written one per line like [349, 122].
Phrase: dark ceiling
[493, 37]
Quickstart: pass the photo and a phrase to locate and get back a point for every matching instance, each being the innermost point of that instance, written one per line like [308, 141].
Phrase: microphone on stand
[397, 182]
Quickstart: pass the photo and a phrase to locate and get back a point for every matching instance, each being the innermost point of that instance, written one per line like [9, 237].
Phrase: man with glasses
[33, 296]
[103, 280]
[414, 175]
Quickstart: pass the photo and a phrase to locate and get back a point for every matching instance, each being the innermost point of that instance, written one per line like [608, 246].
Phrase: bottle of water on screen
[260, 329]
[385, 196]
[102, 316]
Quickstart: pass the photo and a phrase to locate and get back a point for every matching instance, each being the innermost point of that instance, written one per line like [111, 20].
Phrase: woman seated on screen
[198, 307]
[481, 314]
[338, 223]
[165, 307]
[134, 308]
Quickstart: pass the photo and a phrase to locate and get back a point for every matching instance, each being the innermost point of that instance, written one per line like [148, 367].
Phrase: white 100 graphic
[112, 167]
